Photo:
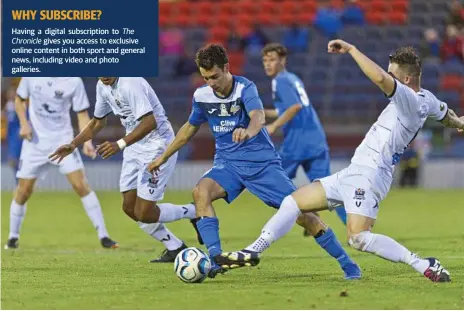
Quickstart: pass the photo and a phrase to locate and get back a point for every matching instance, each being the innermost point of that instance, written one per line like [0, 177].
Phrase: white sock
[389, 249]
[281, 223]
[17, 213]
[171, 212]
[162, 234]
[93, 209]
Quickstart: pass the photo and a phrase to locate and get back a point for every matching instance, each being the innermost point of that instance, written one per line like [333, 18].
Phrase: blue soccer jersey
[304, 136]
[225, 114]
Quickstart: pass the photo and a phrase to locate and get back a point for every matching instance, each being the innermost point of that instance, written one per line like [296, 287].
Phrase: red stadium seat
[307, 6]
[269, 6]
[375, 17]
[236, 61]
[338, 4]
[204, 20]
[219, 34]
[184, 8]
[305, 18]
[267, 19]
[288, 6]
[205, 8]
[399, 6]
[379, 6]
[452, 82]
[226, 7]
[166, 9]
[286, 18]
[164, 20]
[398, 18]
[245, 20]
[247, 7]
[182, 20]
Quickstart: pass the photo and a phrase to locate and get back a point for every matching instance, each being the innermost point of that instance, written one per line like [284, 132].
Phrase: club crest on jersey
[359, 194]
[59, 94]
[116, 100]
[152, 182]
[234, 108]
[223, 112]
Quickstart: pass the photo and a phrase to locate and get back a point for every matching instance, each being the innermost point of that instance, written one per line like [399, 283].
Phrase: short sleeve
[138, 100]
[251, 98]
[437, 109]
[405, 99]
[80, 101]
[23, 89]
[102, 107]
[197, 116]
[288, 93]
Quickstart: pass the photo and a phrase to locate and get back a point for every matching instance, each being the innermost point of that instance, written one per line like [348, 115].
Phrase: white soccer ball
[192, 265]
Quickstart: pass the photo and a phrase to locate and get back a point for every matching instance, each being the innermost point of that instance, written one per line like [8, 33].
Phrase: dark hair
[275, 47]
[209, 56]
[408, 60]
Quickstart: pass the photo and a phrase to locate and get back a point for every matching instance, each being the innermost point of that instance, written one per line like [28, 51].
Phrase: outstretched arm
[451, 120]
[186, 132]
[373, 71]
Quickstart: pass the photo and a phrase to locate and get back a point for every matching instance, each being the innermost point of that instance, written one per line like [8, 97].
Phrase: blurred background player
[245, 158]
[367, 180]
[14, 140]
[148, 132]
[305, 143]
[50, 100]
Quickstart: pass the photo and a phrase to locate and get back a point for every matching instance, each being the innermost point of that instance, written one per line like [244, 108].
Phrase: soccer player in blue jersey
[305, 143]
[245, 158]
[14, 140]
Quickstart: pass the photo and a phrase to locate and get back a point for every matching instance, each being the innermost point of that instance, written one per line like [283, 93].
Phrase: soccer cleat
[169, 256]
[234, 260]
[194, 224]
[215, 269]
[106, 242]
[12, 243]
[352, 271]
[435, 272]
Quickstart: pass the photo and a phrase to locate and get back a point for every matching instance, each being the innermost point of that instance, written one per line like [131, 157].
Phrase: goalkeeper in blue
[304, 143]
[245, 159]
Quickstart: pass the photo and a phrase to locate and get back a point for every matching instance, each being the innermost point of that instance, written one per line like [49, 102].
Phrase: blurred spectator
[171, 41]
[234, 41]
[352, 14]
[255, 40]
[296, 39]
[452, 47]
[328, 20]
[456, 16]
[185, 65]
[430, 47]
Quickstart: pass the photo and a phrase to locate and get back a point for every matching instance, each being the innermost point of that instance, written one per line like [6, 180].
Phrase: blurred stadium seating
[345, 100]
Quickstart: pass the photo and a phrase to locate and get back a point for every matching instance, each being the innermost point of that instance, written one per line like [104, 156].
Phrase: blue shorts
[268, 181]
[315, 168]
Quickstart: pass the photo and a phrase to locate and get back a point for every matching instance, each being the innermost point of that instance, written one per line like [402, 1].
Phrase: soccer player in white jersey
[50, 100]
[366, 181]
[148, 133]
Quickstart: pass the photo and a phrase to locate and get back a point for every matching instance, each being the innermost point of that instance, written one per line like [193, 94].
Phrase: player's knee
[148, 213]
[23, 192]
[200, 194]
[360, 240]
[128, 208]
[81, 187]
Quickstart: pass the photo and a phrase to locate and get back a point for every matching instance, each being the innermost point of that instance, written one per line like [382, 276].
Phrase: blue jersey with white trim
[304, 136]
[225, 114]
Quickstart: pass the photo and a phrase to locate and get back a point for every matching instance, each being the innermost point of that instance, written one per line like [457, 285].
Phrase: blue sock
[341, 214]
[329, 242]
[209, 231]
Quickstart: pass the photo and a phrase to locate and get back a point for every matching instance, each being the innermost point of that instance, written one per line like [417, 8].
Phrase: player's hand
[107, 149]
[62, 152]
[26, 132]
[271, 129]
[460, 130]
[155, 165]
[89, 150]
[339, 47]
[240, 135]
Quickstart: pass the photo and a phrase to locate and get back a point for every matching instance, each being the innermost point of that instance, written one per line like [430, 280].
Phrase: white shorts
[33, 161]
[360, 189]
[134, 175]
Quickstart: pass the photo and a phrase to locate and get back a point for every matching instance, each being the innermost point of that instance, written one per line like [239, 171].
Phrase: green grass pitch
[60, 264]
